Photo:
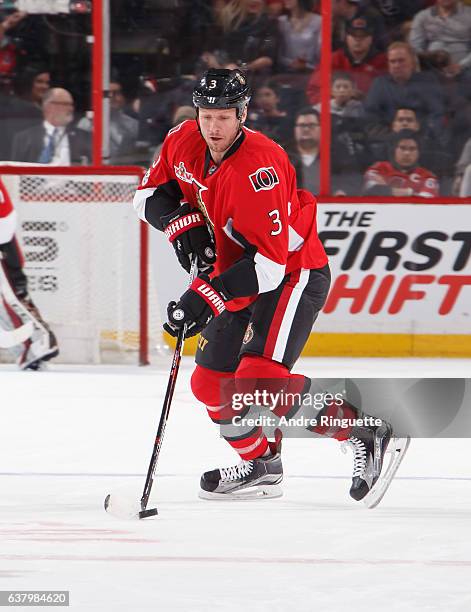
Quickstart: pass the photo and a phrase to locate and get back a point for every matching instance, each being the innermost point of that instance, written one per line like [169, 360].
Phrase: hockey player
[255, 309]
[17, 309]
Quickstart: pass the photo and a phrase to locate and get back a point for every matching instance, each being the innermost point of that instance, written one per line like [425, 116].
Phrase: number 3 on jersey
[275, 217]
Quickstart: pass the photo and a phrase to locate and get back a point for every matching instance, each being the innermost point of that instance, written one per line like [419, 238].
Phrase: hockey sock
[215, 389]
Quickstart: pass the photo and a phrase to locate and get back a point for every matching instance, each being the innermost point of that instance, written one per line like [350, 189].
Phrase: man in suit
[53, 141]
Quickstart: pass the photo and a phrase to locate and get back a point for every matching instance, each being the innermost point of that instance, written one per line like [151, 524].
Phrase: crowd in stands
[400, 90]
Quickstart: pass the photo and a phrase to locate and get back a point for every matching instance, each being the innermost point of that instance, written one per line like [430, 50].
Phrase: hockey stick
[112, 504]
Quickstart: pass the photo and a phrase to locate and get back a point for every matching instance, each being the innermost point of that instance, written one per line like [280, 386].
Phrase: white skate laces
[235, 472]
[359, 455]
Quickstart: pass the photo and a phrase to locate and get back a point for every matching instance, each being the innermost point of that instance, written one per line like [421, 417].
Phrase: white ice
[71, 435]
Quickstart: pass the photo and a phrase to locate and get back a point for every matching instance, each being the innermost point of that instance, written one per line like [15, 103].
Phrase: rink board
[401, 281]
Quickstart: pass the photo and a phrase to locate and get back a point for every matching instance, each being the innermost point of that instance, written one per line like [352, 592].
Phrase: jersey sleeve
[260, 225]
[376, 180]
[429, 186]
[159, 193]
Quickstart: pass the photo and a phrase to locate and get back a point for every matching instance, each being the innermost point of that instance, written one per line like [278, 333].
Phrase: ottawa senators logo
[248, 334]
[264, 179]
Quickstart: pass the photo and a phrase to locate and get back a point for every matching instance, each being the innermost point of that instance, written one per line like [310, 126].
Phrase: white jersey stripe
[288, 317]
[139, 201]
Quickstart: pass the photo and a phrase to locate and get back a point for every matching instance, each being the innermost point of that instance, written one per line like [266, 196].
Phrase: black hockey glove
[186, 229]
[196, 307]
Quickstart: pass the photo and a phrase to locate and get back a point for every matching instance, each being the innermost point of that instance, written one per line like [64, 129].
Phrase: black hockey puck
[107, 501]
[147, 513]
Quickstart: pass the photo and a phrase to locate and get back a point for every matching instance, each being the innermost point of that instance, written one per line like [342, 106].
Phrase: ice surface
[71, 435]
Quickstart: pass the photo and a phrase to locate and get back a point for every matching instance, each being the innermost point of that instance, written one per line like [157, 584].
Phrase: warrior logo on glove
[187, 231]
[196, 307]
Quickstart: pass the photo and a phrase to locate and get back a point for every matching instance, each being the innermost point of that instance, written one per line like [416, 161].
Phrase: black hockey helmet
[222, 88]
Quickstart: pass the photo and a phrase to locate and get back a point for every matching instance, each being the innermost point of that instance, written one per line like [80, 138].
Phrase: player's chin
[217, 144]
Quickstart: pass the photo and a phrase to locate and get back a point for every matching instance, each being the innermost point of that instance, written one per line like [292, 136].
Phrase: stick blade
[148, 513]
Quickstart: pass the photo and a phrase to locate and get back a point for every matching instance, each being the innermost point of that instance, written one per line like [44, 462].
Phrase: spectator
[432, 155]
[344, 11]
[358, 56]
[465, 186]
[304, 153]
[23, 110]
[397, 15]
[401, 176]
[461, 166]
[405, 87]
[444, 27]
[266, 116]
[244, 35]
[343, 101]
[32, 84]
[54, 141]
[274, 7]
[182, 113]
[8, 50]
[348, 127]
[300, 34]
[123, 128]
[155, 108]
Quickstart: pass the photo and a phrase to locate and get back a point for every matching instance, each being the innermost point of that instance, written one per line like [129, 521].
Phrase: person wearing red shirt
[402, 176]
[358, 57]
[217, 179]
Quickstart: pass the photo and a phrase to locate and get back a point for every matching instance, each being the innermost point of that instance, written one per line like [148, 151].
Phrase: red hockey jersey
[250, 200]
[420, 181]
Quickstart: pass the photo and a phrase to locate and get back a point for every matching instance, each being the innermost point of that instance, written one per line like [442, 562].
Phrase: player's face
[407, 153]
[219, 127]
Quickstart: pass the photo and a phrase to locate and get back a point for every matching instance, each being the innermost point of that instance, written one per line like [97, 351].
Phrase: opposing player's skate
[254, 479]
[377, 454]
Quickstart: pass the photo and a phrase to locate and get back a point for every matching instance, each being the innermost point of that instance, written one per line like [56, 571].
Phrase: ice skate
[370, 445]
[253, 479]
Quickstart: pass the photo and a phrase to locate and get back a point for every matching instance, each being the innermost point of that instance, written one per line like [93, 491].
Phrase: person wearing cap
[358, 56]
[344, 11]
[401, 176]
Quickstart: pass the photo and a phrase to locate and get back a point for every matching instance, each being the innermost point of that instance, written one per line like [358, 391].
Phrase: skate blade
[397, 448]
[252, 493]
